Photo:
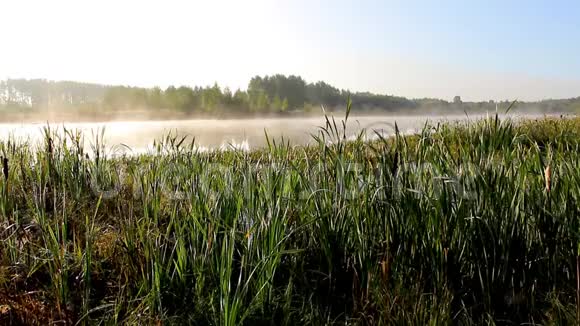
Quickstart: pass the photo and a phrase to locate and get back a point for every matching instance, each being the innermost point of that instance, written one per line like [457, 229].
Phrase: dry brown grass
[29, 309]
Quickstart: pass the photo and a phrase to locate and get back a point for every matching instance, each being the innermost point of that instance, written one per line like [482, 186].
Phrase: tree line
[276, 94]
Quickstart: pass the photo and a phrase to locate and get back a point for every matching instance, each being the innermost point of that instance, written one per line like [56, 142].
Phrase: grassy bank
[461, 224]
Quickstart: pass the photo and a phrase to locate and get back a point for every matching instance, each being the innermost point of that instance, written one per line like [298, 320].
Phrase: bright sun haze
[525, 50]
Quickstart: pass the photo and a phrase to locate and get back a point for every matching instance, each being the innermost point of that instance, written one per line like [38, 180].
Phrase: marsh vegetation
[462, 223]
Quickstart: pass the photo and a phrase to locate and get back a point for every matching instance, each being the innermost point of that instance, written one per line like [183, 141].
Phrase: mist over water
[245, 134]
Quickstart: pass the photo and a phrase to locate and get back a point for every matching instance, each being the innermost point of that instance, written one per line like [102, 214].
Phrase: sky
[479, 50]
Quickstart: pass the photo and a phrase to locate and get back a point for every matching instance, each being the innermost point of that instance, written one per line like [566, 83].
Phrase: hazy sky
[480, 50]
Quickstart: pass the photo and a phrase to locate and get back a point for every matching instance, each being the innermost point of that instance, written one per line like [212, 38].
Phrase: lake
[240, 133]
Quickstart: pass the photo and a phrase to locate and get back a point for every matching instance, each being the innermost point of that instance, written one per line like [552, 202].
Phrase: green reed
[464, 223]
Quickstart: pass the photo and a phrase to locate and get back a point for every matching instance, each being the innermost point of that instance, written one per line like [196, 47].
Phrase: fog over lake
[241, 133]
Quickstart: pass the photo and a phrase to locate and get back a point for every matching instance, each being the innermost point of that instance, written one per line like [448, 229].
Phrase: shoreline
[145, 116]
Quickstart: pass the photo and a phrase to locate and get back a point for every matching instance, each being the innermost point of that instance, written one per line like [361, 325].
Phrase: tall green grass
[459, 224]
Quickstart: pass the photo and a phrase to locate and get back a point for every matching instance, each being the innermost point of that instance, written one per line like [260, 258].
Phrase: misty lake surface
[245, 134]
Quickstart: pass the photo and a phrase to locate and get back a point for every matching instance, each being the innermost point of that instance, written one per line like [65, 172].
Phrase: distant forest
[269, 95]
